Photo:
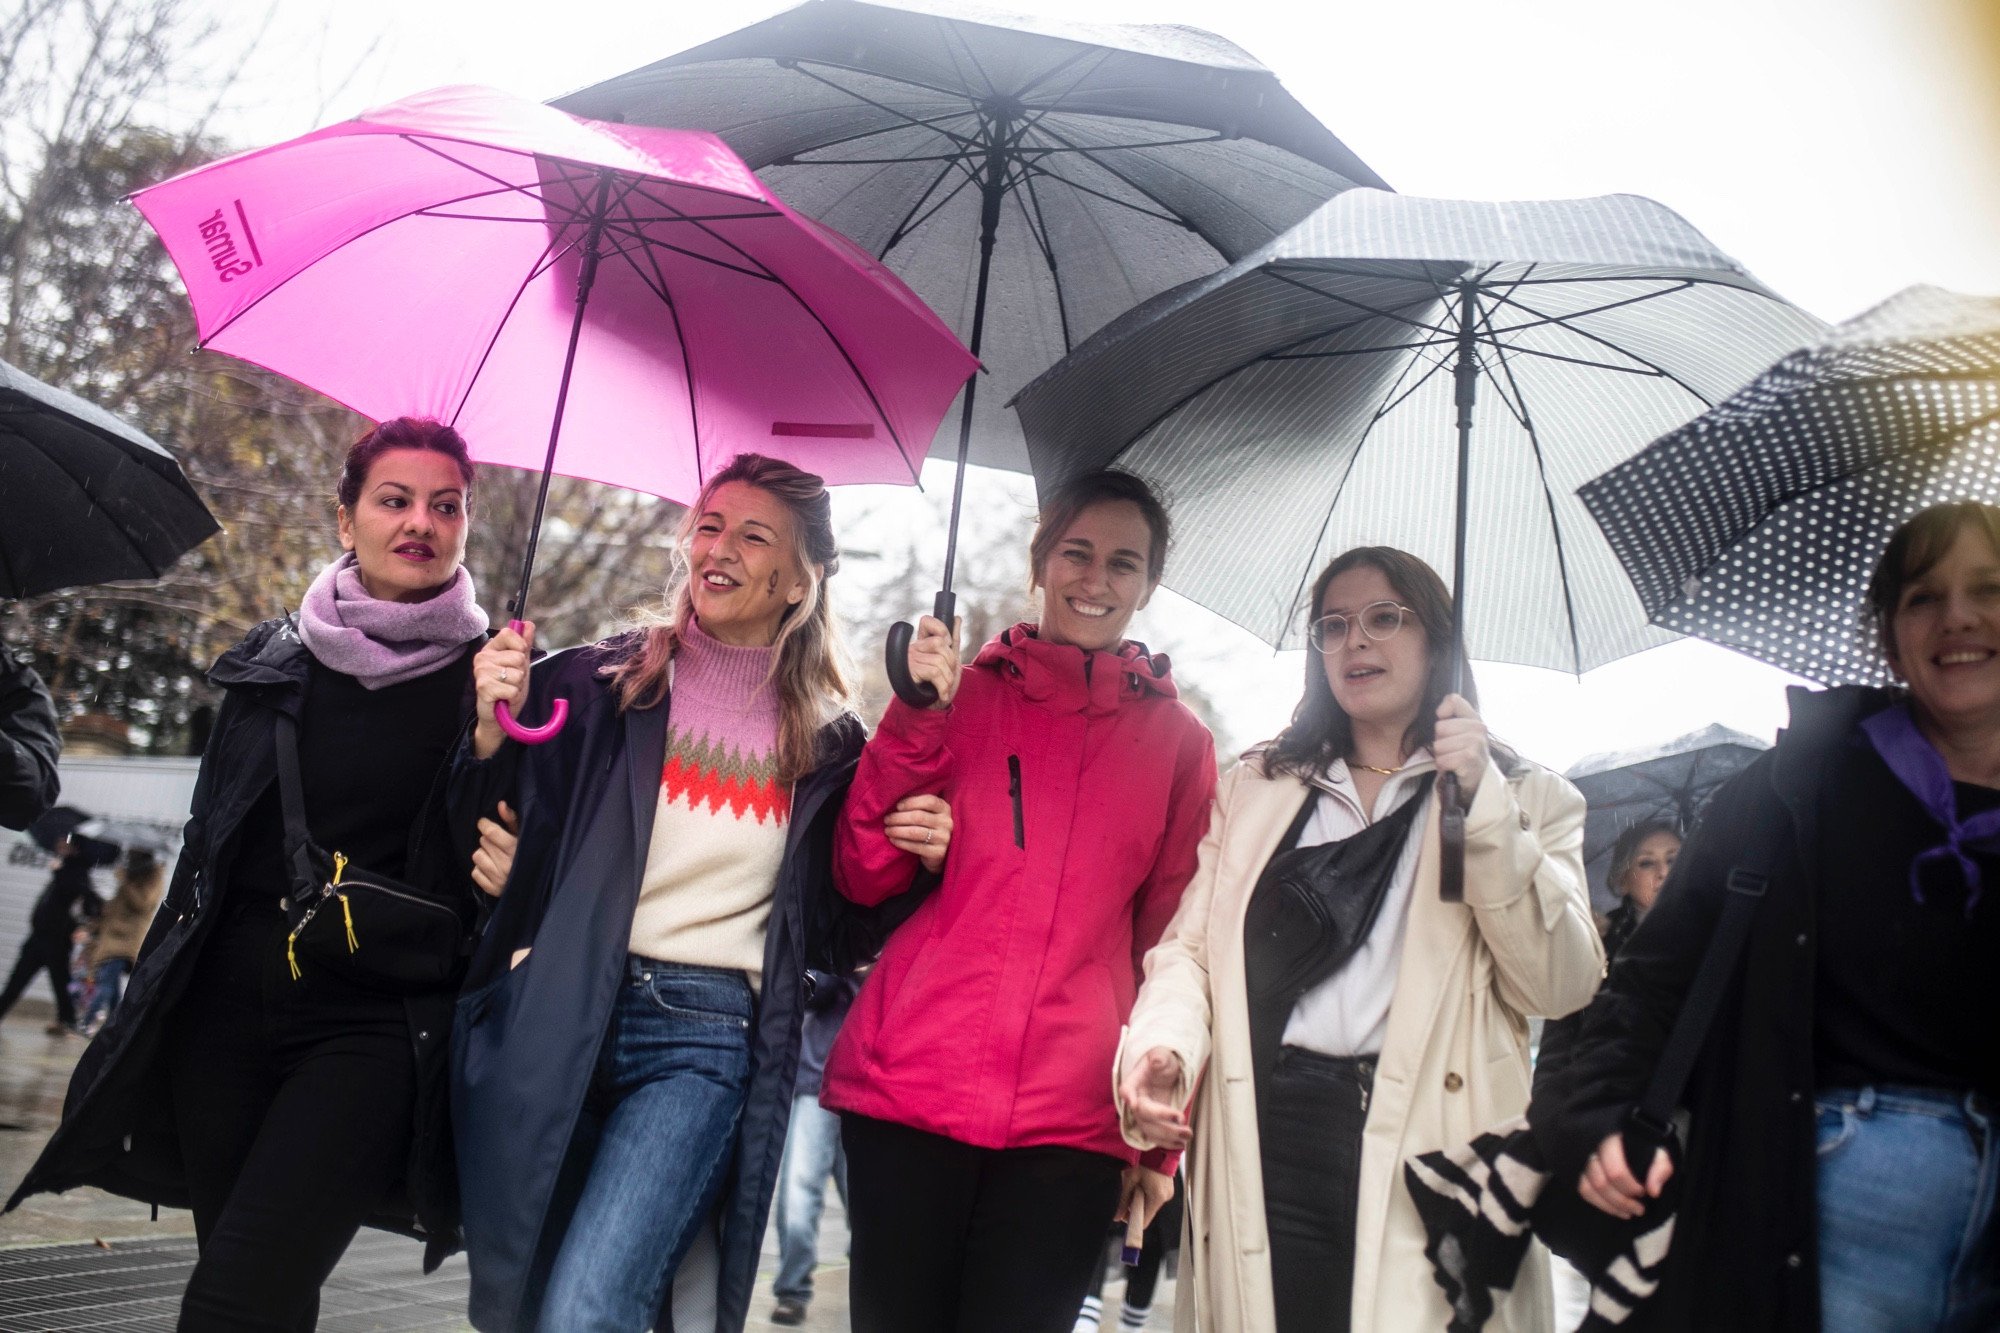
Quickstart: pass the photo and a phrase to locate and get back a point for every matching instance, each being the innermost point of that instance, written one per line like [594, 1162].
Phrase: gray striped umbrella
[1029, 177]
[1757, 525]
[1350, 382]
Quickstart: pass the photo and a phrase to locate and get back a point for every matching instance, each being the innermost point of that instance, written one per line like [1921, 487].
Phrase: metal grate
[135, 1287]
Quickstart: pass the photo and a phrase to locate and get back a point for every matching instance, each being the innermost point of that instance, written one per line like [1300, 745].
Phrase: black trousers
[1311, 1110]
[293, 1100]
[949, 1238]
[37, 955]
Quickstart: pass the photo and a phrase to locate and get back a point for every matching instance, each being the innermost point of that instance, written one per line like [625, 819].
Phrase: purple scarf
[386, 643]
[1919, 767]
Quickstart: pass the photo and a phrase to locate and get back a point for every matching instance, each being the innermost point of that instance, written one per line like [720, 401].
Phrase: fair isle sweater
[719, 830]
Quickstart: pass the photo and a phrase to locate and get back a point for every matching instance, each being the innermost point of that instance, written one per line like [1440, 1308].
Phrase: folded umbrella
[85, 497]
[627, 305]
[1757, 524]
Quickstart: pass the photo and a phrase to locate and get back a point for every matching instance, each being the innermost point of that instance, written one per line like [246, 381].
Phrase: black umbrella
[1322, 393]
[1672, 781]
[84, 497]
[66, 821]
[1028, 177]
[54, 824]
[1757, 525]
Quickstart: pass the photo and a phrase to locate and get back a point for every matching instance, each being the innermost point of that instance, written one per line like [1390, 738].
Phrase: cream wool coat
[1454, 1063]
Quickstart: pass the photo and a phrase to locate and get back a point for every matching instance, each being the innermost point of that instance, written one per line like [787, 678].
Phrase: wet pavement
[89, 1260]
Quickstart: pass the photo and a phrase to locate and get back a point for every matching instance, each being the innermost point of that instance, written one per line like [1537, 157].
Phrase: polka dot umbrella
[1756, 525]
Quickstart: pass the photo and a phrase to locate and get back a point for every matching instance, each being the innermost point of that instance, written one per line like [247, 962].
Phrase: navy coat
[117, 1130]
[527, 1036]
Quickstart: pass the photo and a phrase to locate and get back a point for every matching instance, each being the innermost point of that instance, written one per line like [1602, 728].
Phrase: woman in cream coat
[1417, 1041]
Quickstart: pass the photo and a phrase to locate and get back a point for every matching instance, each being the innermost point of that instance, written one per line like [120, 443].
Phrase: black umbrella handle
[896, 655]
[1451, 840]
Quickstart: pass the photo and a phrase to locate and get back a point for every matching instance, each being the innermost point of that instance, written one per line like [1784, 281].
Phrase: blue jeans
[1906, 1219]
[812, 1153]
[110, 980]
[653, 1143]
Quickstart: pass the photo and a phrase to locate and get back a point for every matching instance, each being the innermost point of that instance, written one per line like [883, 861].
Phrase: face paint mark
[774, 582]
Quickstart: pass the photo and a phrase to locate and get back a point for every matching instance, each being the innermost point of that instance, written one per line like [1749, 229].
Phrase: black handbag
[1591, 1240]
[1313, 909]
[370, 930]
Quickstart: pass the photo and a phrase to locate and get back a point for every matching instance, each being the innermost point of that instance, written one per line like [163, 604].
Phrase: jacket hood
[270, 656]
[1063, 676]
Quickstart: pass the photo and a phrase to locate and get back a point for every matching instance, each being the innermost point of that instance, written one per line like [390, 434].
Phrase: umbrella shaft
[586, 278]
[994, 189]
[1466, 373]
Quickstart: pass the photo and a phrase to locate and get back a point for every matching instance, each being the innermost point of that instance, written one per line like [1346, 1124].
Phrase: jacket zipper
[1014, 795]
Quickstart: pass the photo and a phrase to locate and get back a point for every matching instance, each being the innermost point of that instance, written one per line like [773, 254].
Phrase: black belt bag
[1312, 910]
[370, 930]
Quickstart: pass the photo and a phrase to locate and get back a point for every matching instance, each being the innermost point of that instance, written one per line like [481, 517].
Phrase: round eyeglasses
[1378, 620]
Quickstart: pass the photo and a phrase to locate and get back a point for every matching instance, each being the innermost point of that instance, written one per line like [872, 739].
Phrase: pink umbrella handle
[558, 715]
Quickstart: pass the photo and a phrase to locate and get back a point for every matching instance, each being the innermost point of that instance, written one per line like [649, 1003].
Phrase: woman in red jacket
[984, 1157]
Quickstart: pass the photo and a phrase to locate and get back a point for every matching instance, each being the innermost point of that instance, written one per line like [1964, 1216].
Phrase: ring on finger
[928, 834]
[506, 676]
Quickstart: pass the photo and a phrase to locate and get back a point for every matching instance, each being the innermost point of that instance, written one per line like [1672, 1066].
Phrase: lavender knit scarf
[386, 643]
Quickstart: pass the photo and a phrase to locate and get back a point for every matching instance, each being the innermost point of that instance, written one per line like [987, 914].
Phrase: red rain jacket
[1079, 788]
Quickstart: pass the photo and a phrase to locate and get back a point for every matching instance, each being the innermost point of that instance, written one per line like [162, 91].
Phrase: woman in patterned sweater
[630, 1028]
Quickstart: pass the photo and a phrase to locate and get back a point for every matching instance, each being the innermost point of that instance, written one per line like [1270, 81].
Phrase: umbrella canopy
[1672, 781]
[1757, 525]
[84, 497]
[431, 257]
[1304, 401]
[1043, 173]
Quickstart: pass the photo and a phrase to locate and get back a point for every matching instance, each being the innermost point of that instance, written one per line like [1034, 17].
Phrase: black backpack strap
[292, 797]
[1745, 888]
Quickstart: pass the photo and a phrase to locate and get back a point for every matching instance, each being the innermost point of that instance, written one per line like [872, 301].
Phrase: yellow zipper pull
[339, 866]
[291, 959]
[348, 915]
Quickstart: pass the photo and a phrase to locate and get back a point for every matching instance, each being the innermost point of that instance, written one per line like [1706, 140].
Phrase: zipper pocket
[1014, 795]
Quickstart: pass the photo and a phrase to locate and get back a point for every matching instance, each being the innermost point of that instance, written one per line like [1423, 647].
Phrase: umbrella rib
[874, 399]
[638, 187]
[1036, 168]
[83, 483]
[1088, 155]
[1347, 473]
[883, 107]
[1128, 147]
[903, 123]
[948, 32]
[911, 221]
[358, 236]
[1541, 320]
[1601, 341]
[1083, 52]
[1038, 227]
[551, 253]
[1548, 498]
[1244, 365]
[1373, 312]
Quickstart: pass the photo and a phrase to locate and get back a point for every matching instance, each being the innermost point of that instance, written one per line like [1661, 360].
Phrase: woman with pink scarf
[285, 1104]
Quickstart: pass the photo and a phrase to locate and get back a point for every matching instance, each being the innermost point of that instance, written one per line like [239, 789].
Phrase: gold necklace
[1371, 768]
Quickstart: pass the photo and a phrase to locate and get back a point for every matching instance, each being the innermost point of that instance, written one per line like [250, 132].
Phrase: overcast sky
[1841, 149]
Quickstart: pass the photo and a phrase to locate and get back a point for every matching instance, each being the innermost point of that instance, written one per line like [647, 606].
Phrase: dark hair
[402, 433]
[1914, 550]
[1627, 847]
[810, 668]
[1108, 485]
[141, 866]
[1320, 731]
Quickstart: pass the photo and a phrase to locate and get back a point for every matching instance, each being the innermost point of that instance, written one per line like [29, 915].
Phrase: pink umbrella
[472, 256]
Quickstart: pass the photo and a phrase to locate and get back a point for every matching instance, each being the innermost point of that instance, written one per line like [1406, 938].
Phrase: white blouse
[1348, 1013]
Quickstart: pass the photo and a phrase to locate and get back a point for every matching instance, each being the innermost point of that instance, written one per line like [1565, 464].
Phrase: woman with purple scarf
[286, 1105]
[1838, 1168]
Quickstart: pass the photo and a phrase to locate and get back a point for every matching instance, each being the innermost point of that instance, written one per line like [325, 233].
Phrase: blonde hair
[810, 667]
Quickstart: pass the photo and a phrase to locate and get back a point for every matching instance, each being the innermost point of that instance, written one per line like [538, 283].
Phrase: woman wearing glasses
[1328, 1011]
